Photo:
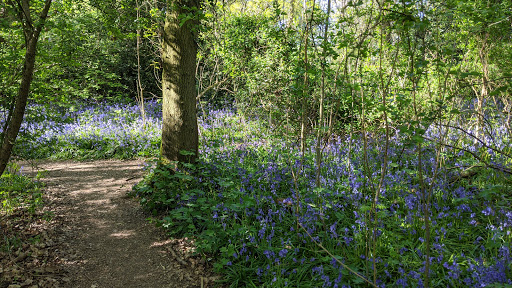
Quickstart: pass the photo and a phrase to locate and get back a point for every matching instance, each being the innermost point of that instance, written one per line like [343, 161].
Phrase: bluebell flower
[318, 269]
[270, 254]
[488, 211]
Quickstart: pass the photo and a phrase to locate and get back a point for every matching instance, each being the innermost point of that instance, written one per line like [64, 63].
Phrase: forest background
[341, 142]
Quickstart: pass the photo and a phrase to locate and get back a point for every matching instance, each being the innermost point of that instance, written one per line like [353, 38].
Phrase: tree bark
[31, 38]
[292, 12]
[140, 88]
[179, 125]
[484, 92]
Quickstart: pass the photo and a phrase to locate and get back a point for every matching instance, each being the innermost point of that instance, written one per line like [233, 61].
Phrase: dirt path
[105, 239]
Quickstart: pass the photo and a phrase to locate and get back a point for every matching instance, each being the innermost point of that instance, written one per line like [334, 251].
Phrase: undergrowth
[252, 205]
[89, 132]
[18, 191]
[262, 224]
[20, 199]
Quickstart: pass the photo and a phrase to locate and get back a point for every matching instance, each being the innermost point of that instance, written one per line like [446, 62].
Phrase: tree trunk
[31, 37]
[140, 89]
[292, 14]
[179, 125]
[484, 92]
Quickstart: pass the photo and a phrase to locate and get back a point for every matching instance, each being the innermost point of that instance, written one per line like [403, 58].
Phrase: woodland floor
[97, 236]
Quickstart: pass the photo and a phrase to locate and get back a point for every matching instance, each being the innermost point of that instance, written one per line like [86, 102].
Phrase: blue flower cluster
[253, 203]
[102, 131]
[260, 201]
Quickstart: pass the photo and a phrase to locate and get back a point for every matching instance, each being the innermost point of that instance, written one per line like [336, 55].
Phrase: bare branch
[214, 85]
[476, 156]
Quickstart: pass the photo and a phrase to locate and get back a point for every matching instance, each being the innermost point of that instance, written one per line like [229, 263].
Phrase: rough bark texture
[31, 37]
[179, 127]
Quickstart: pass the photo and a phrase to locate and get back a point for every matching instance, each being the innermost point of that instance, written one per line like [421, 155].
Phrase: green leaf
[187, 153]
[364, 208]
[418, 139]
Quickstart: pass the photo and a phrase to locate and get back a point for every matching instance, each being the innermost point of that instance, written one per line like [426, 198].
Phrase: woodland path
[106, 240]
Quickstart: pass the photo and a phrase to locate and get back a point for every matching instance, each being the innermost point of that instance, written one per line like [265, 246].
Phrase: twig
[213, 86]
[489, 165]
[21, 257]
[178, 258]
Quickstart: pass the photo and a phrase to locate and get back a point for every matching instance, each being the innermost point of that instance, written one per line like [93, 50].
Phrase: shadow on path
[109, 242]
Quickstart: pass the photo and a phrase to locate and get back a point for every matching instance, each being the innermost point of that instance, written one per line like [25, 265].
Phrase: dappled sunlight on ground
[110, 243]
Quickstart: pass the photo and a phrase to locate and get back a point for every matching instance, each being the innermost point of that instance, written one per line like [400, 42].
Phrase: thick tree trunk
[31, 37]
[179, 126]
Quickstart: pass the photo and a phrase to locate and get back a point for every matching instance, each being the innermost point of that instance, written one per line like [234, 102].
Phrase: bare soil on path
[103, 237]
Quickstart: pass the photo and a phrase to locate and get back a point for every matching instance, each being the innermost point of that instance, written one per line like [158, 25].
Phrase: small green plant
[18, 191]
[10, 244]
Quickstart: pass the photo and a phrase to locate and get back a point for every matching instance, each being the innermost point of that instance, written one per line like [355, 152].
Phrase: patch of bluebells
[245, 205]
[100, 131]
[335, 217]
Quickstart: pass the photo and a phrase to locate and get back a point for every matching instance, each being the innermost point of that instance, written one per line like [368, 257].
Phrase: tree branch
[214, 85]
[489, 165]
